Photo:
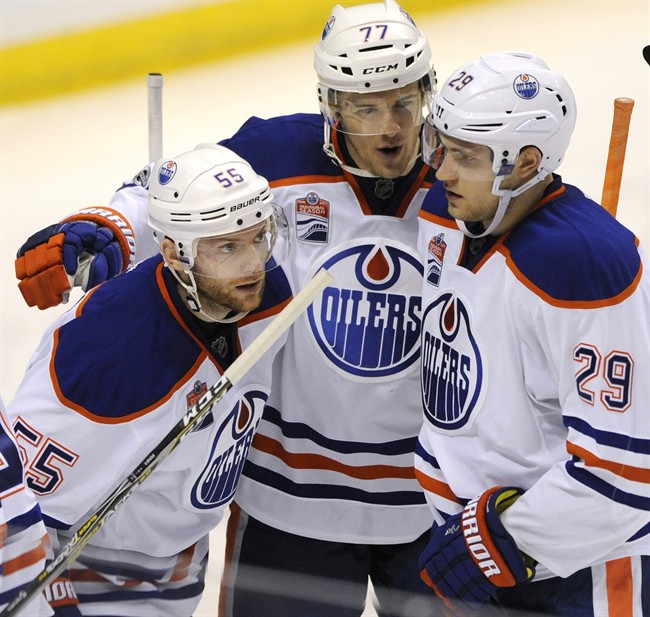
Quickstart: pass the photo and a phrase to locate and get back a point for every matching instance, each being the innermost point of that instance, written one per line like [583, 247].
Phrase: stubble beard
[219, 298]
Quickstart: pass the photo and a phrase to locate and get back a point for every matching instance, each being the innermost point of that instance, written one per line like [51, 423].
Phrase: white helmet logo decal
[166, 172]
[526, 86]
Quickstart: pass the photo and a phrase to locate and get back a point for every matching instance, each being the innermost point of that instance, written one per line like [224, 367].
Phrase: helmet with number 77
[370, 49]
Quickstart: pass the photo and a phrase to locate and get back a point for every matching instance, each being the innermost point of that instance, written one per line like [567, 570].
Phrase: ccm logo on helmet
[380, 69]
[243, 204]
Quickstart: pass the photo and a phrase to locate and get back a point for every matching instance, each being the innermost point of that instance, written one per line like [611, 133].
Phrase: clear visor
[461, 159]
[244, 254]
[376, 113]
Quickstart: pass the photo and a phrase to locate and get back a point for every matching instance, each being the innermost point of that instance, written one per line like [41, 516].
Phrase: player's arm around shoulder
[87, 247]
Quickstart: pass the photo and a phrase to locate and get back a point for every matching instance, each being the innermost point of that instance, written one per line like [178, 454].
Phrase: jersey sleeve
[130, 201]
[594, 501]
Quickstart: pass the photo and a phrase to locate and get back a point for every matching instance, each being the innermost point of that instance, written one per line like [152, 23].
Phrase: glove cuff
[60, 593]
[122, 231]
[491, 547]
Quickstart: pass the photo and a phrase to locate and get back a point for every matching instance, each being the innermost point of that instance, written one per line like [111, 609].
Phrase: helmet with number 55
[218, 229]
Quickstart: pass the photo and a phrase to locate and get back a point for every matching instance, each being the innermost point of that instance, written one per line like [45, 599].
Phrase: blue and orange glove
[472, 555]
[84, 250]
[62, 597]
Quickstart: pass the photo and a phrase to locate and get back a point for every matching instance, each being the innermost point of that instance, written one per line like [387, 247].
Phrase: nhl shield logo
[313, 219]
[452, 371]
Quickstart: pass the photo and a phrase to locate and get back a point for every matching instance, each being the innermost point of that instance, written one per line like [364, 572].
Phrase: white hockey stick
[154, 112]
[231, 376]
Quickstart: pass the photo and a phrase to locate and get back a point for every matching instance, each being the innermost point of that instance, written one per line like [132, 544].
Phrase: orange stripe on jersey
[637, 474]
[270, 312]
[13, 491]
[415, 187]
[318, 461]
[25, 560]
[91, 576]
[571, 304]
[296, 180]
[436, 487]
[64, 400]
[183, 563]
[172, 309]
[438, 220]
[141, 412]
[619, 587]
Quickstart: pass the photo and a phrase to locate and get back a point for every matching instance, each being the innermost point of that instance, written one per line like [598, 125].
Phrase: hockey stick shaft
[616, 153]
[116, 499]
[154, 112]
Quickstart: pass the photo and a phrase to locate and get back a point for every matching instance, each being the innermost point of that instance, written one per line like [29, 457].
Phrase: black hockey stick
[231, 376]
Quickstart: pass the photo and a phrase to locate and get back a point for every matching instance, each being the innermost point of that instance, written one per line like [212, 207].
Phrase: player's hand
[59, 257]
[472, 555]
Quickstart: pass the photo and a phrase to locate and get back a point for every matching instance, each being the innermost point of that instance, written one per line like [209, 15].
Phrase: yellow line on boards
[166, 42]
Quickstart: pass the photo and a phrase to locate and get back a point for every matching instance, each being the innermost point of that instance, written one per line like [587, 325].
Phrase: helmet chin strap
[505, 196]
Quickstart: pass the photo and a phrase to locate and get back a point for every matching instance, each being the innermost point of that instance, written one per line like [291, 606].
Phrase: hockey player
[114, 374]
[534, 454]
[329, 490]
[23, 538]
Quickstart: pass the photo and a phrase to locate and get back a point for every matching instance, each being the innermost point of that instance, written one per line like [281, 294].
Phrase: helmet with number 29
[505, 101]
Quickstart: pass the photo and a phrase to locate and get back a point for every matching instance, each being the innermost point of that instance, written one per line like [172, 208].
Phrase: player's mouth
[390, 152]
[451, 196]
[250, 287]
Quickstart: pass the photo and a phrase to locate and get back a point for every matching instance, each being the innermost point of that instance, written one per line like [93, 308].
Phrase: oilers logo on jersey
[217, 482]
[313, 219]
[452, 372]
[368, 326]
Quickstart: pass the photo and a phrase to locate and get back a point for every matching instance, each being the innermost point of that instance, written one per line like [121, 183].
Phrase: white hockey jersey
[535, 374]
[109, 380]
[23, 538]
[333, 457]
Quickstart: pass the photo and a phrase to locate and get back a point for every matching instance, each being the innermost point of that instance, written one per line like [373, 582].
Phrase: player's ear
[168, 250]
[528, 162]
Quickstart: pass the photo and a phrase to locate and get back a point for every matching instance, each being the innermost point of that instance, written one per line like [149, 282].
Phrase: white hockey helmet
[505, 101]
[369, 49]
[208, 193]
